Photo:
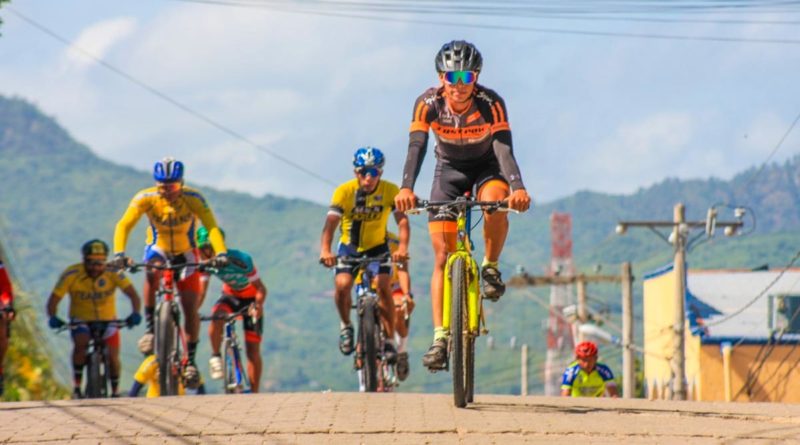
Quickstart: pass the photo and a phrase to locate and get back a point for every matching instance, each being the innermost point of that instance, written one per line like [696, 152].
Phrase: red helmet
[585, 349]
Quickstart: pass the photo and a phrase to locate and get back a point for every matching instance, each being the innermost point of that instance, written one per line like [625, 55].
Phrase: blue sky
[587, 112]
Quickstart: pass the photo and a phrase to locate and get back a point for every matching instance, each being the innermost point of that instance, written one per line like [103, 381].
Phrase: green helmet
[202, 236]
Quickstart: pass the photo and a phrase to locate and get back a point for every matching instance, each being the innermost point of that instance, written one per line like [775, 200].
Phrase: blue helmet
[368, 157]
[168, 170]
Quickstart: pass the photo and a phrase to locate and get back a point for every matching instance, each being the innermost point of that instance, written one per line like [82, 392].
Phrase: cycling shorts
[451, 182]
[111, 335]
[351, 252]
[230, 304]
[189, 279]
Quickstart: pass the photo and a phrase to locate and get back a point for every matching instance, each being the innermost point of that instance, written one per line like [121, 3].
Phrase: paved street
[346, 418]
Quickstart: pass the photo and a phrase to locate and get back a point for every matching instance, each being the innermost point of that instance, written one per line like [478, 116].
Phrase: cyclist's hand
[120, 261]
[405, 200]
[519, 200]
[328, 259]
[256, 311]
[56, 322]
[221, 260]
[400, 256]
[134, 319]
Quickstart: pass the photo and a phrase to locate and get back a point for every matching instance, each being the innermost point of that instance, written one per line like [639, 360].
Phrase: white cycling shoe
[215, 367]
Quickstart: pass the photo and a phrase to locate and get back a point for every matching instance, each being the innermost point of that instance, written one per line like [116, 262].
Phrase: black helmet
[458, 55]
[95, 249]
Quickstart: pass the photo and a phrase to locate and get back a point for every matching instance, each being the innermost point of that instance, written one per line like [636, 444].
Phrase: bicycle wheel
[368, 330]
[470, 371]
[167, 350]
[229, 358]
[458, 331]
[93, 378]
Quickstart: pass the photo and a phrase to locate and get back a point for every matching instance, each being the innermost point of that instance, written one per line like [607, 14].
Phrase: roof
[712, 295]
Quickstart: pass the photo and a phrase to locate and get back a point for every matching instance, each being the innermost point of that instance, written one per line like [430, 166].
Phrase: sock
[77, 375]
[343, 325]
[402, 343]
[191, 347]
[149, 314]
[486, 262]
[439, 333]
[114, 384]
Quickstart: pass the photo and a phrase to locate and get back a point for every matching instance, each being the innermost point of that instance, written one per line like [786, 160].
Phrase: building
[740, 345]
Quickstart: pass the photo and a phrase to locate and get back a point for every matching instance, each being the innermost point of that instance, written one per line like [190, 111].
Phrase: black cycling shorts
[231, 304]
[352, 252]
[450, 182]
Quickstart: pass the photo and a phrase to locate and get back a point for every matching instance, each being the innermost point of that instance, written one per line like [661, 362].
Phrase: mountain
[59, 194]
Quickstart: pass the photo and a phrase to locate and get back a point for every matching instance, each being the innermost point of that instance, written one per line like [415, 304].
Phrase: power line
[562, 31]
[771, 154]
[163, 96]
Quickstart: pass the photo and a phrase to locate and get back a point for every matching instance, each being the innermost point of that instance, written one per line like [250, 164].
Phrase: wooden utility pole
[628, 368]
[523, 386]
[679, 239]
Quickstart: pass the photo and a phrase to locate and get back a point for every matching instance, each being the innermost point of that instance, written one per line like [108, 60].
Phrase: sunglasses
[465, 77]
[372, 171]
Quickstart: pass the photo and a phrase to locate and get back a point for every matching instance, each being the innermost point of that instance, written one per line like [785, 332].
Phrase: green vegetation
[59, 194]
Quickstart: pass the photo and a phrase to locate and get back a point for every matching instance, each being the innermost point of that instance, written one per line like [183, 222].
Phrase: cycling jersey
[239, 275]
[364, 215]
[147, 374]
[90, 298]
[476, 137]
[583, 384]
[6, 290]
[172, 224]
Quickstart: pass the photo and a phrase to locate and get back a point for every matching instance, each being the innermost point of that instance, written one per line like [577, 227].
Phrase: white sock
[342, 325]
[402, 343]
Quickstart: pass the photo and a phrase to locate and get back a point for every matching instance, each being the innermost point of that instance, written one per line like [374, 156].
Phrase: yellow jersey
[172, 224]
[90, 299]
[147, 374]
[364, 215]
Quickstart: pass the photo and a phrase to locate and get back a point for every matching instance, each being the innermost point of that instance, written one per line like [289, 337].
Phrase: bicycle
[377, 374]
[462, 298]
[236, 380]
[98, 361]
[170, 338]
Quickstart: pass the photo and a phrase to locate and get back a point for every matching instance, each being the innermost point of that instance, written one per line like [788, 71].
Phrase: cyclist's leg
[152, 255]
[343, 282]
[252, 341]
[80, 342]
[4, 331]
[492, 187]
[112, 344]
[216, 328]
[189, 288]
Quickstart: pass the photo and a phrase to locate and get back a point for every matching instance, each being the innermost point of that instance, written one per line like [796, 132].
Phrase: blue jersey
[583, 384]
[238, 275]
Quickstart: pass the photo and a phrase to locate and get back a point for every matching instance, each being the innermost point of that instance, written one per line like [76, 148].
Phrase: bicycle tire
[93, 378]
[368, 328]
[230, 367]
[167, 350]
[458, 327]
[470, 371]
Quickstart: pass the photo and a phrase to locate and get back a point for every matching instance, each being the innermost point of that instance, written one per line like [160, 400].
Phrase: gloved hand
[56, 322]
[134, 319]
[120, 261]
[221, 260]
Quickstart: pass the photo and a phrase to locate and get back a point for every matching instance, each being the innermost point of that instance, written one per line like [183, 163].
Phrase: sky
[587, 112]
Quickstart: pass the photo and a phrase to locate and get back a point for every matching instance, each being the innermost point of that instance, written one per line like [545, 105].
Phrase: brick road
[345, 418]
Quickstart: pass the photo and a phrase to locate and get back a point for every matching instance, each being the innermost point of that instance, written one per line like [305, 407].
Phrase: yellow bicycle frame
[473, 294]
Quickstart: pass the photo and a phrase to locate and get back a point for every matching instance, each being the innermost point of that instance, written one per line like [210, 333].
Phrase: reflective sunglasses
[465, 77]
[372, 171]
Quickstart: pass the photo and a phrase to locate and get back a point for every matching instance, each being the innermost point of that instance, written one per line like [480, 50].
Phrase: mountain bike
[462, 299]
[376, 373]
[98, 361]
[170, 338]
[236, 380]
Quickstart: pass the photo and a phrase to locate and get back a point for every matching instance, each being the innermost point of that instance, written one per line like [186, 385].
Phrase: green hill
[60, 194]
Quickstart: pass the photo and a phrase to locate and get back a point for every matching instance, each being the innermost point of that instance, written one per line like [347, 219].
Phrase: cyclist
[172, 210]
[403, 304]
[363, 205]
[147, 374]
[7, 314]
[241, 287]
[91, 288]
[585, 377]
[473, 150]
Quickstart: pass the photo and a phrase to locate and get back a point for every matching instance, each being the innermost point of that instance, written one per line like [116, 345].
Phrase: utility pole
[583, 310]
[628, 368]
[523, 386]
[680, 240]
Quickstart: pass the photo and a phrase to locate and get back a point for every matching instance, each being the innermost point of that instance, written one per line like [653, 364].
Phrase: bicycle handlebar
[227, 317]
[202, 266]
[74, 324]
[383, 260]
[465, 203]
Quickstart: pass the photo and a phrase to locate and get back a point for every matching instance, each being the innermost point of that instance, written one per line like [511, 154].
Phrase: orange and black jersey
[479, 135]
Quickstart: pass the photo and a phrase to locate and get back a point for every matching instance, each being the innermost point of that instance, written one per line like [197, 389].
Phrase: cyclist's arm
[403, 231]
[200, 208]
[136, 302]
[61, 289]
[417, 142]
[331, 223]
[261, 292]
[52, 304]
[126, 224]
[503, 148]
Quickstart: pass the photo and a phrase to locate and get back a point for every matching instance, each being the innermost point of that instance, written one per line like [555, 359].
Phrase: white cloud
[97, 40]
